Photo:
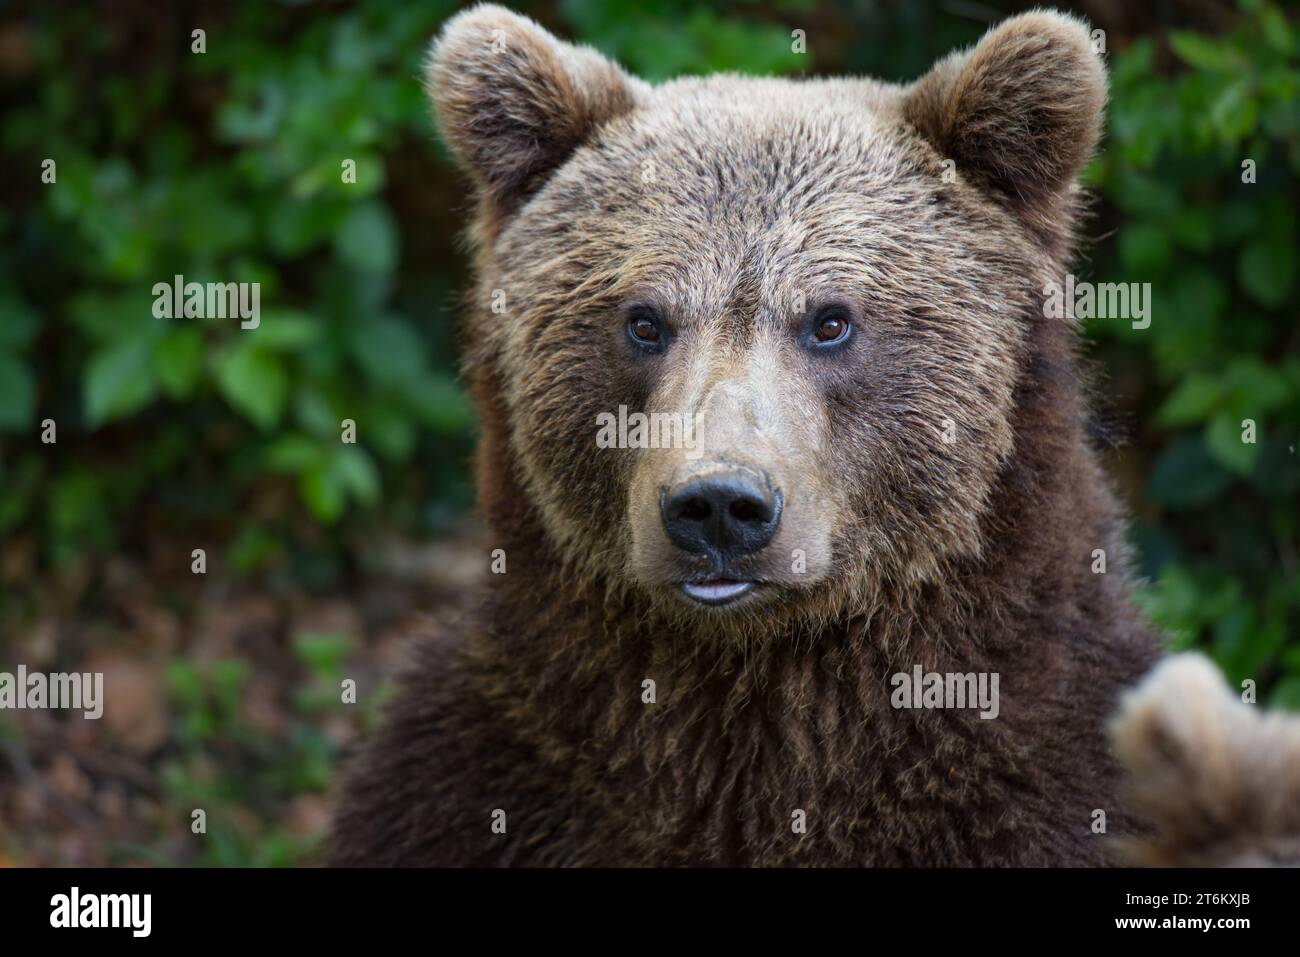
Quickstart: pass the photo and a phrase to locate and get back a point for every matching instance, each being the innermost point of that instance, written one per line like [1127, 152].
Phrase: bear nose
[728, 514]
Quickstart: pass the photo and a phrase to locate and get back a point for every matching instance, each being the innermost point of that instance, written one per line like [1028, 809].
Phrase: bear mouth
[717, 591]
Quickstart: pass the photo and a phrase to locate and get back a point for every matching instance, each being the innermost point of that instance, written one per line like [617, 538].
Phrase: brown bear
[783, 467]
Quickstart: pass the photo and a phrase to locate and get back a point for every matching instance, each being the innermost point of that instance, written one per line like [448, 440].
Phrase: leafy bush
[223, 166]
[1200, 173]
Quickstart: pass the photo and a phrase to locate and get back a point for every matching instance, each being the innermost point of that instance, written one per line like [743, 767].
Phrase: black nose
[727, 514]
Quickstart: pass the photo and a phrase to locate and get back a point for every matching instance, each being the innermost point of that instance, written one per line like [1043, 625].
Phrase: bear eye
[830, 326]
[645, 328]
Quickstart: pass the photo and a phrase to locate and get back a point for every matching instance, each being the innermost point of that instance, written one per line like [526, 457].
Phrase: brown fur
[970, 556]
[1219, 780]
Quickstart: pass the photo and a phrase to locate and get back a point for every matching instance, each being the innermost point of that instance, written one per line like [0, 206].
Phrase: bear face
[822, 290]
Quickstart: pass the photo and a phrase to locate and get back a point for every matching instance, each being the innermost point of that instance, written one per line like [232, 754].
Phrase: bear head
[754, 345]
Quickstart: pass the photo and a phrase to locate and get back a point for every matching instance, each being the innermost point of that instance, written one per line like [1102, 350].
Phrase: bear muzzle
[721, 516]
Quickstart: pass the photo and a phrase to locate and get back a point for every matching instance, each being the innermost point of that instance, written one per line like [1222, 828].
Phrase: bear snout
[723, 516]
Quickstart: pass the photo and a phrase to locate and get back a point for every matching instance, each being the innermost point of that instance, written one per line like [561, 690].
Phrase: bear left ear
[513, 102]
[1020, 113]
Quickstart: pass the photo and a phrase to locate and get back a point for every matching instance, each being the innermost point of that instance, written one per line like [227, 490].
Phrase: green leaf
[1266, 269]
[254, 546]
[17, 394]
[283, 329]
[358, 474]
[441, 405]
[297, 226]
[1144, 195]
[390, 429]
[1186, 476]
[1286, 694]
[1203, 53]
[323, 652]
[178, 360]
[254, 382]
[1255, 388]
[1133, 65]
[1277, 32]
[119, 380]
[1172, 601]
[294, 453]
[253, 116]
[1235, 112]
[1223, 437]
[1192, 401]
[17, 323]
[78, 511]
[1145, 249]
[1195, 228]
[367, 238]
[1187, 318]
[316, 411]
[323, 491]
[390, 352]
[20, 482]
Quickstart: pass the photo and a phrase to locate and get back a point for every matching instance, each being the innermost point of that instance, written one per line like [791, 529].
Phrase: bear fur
[939, 491]
[1218, 780]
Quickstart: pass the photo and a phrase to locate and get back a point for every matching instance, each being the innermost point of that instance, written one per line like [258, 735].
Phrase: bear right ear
[513, 102]
[1020, 113]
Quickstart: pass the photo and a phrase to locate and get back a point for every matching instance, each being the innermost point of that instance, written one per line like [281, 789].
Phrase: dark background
[181, 434]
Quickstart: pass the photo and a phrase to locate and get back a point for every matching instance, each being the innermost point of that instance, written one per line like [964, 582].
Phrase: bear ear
[513, 102]
[1020, 113]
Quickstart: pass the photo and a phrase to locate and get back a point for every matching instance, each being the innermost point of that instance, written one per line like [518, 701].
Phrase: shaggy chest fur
[789, 752]
[797, 755]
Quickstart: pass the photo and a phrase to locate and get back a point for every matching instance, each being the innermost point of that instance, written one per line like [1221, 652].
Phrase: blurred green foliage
[239, 775]
[1201, 170]
[222, 166]
[228, 165]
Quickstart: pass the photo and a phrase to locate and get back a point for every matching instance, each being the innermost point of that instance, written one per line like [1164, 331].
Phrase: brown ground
[219, 694]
